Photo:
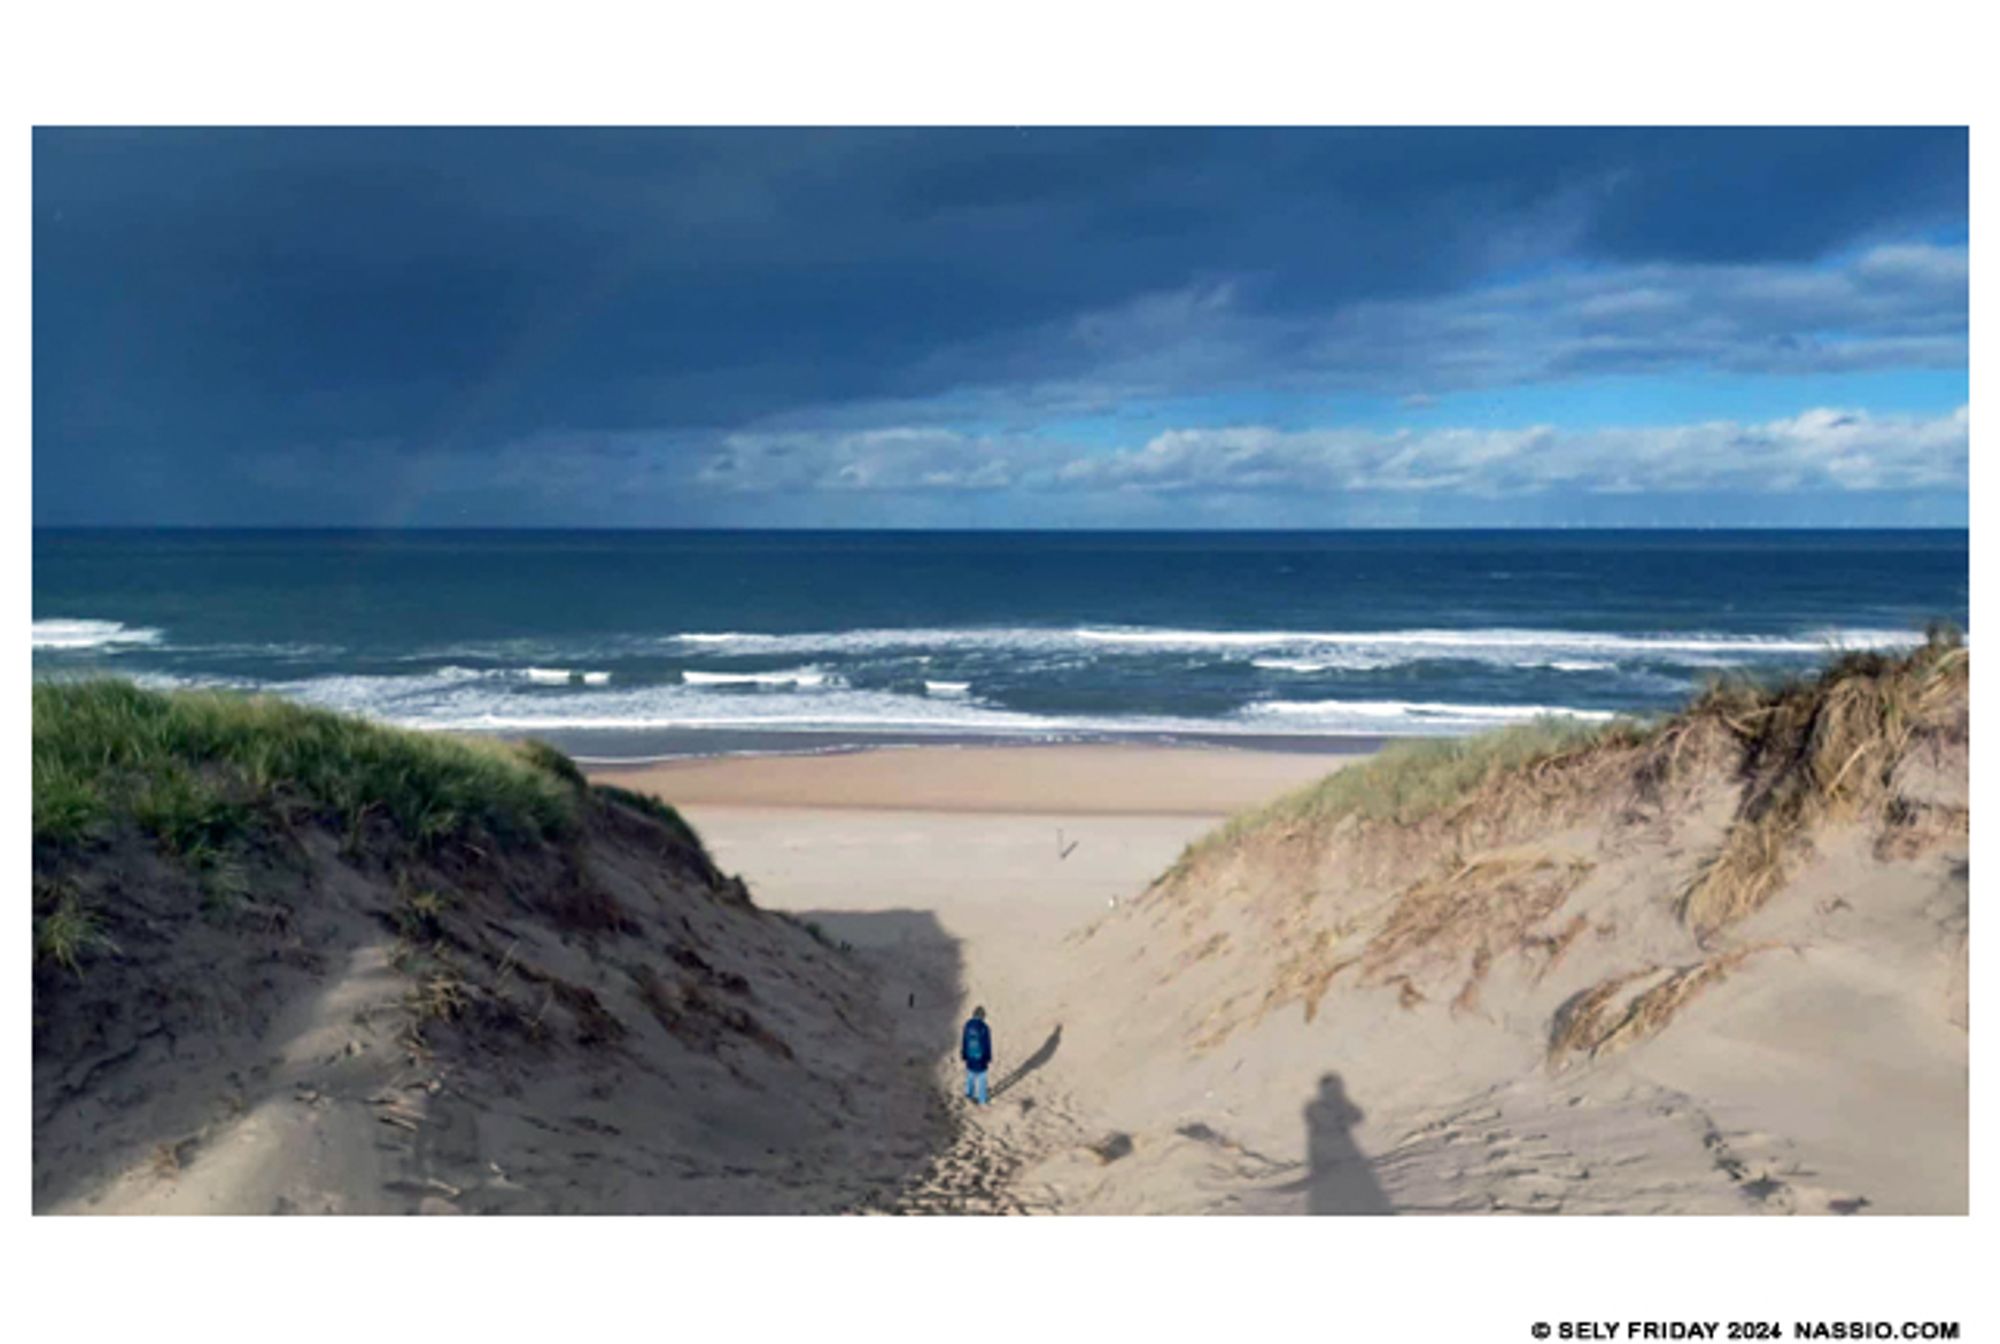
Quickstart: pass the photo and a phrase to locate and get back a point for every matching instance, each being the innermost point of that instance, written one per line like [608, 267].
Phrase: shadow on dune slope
[1339, 1176]
[1756, 904]
[389, 973]
[913, 964]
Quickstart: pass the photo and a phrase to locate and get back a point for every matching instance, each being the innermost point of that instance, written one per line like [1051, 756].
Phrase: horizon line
[1051, 531]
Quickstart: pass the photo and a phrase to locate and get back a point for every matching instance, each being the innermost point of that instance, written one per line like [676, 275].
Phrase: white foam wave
[1570, 665]
[796, 676]
[1414, 712]
[1328, 648]
[950, 690]
[1299, 664]
[1485, 643]
[69, 633]
[281, 652]
[460, 698]
[543, 676]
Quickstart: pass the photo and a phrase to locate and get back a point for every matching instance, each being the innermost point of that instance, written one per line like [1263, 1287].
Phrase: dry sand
[1265, 1032]
[1153, 1059]
[958, 874]
[603, 1027]
[1199, 782]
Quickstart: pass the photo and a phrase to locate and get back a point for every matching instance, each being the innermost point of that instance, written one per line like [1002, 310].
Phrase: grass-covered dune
[1808, 749]
[211, 778]
[1710, 962]
[201, 769]
[243, 906]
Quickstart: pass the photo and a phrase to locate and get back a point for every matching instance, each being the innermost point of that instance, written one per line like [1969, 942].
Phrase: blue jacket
[976, 1046]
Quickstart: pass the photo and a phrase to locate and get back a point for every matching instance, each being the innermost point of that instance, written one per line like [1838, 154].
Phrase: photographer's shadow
[1339, 1176]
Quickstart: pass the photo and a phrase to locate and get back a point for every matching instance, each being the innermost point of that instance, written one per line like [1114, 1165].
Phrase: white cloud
[1821, 449]
[900, 458]
[1824, 450]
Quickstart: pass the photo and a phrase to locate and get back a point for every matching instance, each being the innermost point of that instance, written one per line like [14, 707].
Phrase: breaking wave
[72, 634]
[1307, 650]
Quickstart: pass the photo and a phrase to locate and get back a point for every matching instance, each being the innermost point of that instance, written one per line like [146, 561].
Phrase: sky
[1088, 328]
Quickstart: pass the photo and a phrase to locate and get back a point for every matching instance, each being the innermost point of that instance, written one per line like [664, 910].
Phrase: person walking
[975, 1047]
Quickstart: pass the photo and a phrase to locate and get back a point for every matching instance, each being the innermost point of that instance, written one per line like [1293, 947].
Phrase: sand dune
[1098, 780]
[1501, 1007]
[353, 1020]
[1517, 1005]
[1718, 966]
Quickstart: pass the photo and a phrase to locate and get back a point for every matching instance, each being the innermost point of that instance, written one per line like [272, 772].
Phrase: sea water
[635, 643]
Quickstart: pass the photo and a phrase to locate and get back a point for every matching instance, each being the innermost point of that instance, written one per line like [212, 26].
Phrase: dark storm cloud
[207, 298]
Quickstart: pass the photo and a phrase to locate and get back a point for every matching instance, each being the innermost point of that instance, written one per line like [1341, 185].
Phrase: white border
[373, 62]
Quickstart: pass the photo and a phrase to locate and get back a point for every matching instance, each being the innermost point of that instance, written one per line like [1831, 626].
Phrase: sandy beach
[1540, 972]
[1004, 850]
[960, 872]
[1152, 1052]
[960, 876]
[1057, 780]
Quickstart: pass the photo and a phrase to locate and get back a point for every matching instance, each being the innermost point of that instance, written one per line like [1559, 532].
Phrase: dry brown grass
[1307, 974]
[697, 1018]
[439, 997]
[1417, 781]
[596, 1025]
[1910, 829]
[1555, 947]
[1595, 1023]
[1465, 922]
[1385, 838]
[1820, 751]
[170, 1157]
[1435, 930]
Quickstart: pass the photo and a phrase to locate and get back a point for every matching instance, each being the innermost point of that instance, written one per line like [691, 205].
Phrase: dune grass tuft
[1816, 750]
[647, 805]
[1813, 748]
[65, 928]
[545, 757]
[201, 770]
[1589, 1024]
[1410, 780]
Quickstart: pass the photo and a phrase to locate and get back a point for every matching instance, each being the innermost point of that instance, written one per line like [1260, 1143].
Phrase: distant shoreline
[613, 749]
[1101, 779]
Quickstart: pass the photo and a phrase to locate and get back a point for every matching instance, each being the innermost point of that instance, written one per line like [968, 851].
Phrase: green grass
[65, 929]
[1410, 780]
[67, 803]
[1876, 696]
[545, 757]
[421, 912]
[650, 806]
[202, 770]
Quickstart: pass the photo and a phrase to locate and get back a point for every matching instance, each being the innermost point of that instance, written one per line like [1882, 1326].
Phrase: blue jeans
[975, 1085]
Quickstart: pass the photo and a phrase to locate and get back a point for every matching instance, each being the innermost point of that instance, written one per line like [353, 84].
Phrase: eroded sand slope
[604, 1027]
[1720, 967]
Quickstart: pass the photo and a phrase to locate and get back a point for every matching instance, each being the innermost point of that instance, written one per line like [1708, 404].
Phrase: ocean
[623, 645]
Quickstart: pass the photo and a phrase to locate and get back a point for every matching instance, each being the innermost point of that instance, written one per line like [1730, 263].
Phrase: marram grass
[199, 770]
[1413, 779]
[1815, 747]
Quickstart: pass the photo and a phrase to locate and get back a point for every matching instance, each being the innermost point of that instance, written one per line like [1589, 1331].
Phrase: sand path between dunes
[1827, 1077]
[957, 873]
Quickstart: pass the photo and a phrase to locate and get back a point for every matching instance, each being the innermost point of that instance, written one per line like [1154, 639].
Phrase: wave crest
[73, 633]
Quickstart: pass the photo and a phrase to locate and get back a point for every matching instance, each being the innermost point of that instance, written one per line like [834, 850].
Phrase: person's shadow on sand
[1045, 1052]
[1339, 1177]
